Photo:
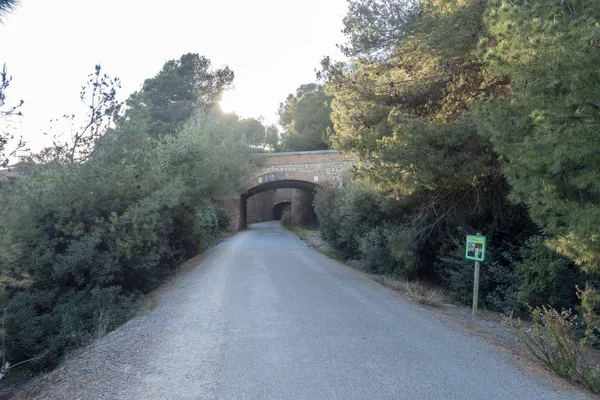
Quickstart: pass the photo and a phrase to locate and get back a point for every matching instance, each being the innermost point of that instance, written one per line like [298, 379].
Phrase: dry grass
[414, 290]
[552, 340]
[23, 282]
[424, 295]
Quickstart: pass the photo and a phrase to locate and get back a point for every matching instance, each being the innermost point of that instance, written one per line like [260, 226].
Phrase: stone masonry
[324, 167]
[301, 171]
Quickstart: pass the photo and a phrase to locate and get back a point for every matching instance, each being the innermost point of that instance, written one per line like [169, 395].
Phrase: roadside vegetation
[475, 117]
[102, 216]
[414, 290]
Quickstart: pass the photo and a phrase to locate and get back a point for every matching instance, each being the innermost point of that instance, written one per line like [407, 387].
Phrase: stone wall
[260, 207]
[320, 167]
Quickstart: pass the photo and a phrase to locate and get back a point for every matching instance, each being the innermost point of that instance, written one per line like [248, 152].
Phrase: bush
[547, 277]
[404, 251]
[223, 219]
[345, 215]
[407, 237]
[507, 228]
[358, 212]
[51, 322]
[89, 238]
[552, 340]
[325, 204]
[206, 226]
[590, 309]
[375, 253]
[498, 282]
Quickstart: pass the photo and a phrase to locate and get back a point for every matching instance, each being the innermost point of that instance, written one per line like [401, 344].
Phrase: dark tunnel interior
[279, 208]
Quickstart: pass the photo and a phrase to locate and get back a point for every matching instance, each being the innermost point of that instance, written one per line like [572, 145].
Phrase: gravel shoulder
[133, 361]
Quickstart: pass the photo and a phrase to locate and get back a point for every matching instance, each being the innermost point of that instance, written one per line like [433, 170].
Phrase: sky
[273, 46]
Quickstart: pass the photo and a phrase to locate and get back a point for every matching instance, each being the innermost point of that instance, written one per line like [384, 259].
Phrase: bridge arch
[298, 172]
[305, 186]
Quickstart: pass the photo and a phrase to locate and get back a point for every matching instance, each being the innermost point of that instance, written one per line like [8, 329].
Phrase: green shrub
[359, 212]
[498, 282]
[589, 309]
[455, 272]
[50, 322]
[375, 253]
[507, 228]
[30, 327]
[89, 238]
[512, 278]
[547, 277]
[223, 219]
[404, 250]
[325, 204]
[90, 314]
[206, 225]
[346, 214]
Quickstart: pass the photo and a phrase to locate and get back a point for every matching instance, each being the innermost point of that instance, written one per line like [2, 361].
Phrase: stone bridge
[287, 180]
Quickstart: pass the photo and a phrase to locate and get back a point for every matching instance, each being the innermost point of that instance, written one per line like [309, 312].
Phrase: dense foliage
[469, 117]
[362, 223]
[305, 118]
[82, 237]
[547, 130]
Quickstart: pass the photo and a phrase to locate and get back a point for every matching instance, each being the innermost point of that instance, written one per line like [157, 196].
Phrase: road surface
[263, 316]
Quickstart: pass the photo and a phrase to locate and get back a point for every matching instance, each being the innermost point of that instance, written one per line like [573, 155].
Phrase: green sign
[475, 248]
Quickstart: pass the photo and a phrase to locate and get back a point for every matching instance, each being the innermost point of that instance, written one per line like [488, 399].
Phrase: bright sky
[272, 46]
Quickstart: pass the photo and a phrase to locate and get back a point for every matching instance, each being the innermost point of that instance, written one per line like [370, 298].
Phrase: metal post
[476, 288]
[476, 285]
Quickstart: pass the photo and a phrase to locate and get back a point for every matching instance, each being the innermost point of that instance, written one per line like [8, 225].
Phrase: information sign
[475, 248]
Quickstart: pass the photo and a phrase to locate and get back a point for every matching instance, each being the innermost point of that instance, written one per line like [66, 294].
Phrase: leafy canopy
[408, 115]
[182, 86]
[305, 118]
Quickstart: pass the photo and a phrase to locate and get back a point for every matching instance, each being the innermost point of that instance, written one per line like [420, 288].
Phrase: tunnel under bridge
[286, 183]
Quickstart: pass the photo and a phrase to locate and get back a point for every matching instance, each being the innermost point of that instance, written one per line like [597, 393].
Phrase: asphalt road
[265, 317]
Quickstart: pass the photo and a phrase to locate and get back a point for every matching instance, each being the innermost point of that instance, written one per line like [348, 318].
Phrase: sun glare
[230, 102]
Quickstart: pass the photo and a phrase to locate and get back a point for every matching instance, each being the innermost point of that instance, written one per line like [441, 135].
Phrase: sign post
[475, 250]
[476, 287]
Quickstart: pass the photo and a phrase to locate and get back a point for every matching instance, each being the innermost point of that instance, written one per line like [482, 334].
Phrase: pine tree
[547, 131]
[306, 119]
[408, 113]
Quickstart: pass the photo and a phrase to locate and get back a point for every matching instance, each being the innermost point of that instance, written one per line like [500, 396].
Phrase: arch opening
[279, 209]
[265, 206]
[281, 184]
